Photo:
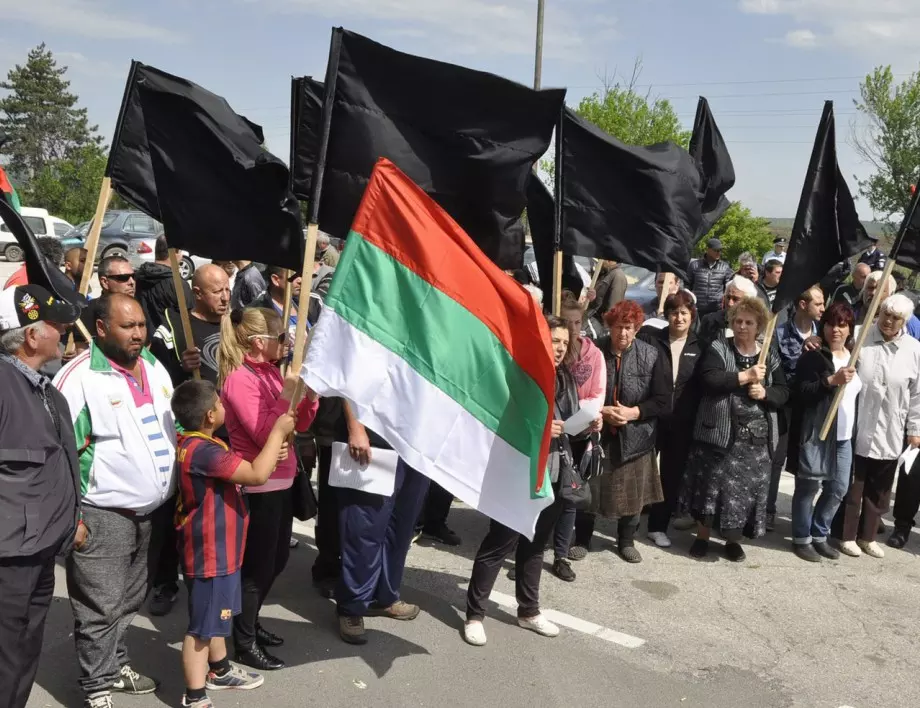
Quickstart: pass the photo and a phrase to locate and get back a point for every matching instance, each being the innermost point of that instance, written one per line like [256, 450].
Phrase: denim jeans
[812, 521]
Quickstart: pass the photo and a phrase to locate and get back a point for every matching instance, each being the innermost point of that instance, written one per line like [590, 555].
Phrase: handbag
[303, 499]
[573, 485]
[592, 461]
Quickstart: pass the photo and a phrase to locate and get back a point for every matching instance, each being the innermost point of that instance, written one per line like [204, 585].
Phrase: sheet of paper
[378, 477]
[582, 418]
[906, 460]
[655, 322]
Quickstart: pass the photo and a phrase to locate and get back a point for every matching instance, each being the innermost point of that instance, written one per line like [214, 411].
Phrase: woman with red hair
[638, 391]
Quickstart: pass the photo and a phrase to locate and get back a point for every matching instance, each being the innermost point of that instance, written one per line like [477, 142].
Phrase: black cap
[779, 240]
[27, 304]
[715, 244]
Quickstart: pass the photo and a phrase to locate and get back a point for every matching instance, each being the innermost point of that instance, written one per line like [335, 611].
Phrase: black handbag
[592, 461]
[573, 486]
[303, 499]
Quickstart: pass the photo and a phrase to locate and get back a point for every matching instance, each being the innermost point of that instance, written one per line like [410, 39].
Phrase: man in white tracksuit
[119, 398]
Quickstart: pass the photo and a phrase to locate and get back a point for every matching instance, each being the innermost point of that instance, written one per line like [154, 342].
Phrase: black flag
[827, 229]
[467, 138]
[540, 217]
[708, 149]
[906, 251]
[637, 205]
[306, 121]
[184, 157]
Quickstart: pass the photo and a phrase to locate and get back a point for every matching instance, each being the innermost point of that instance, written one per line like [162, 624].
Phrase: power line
[747, 82]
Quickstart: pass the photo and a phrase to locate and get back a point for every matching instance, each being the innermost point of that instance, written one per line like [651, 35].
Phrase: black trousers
[267, 551]
[779, 458]
[26, 589]
[528, 559]
[437, 507]
[328, 563]
[166, 572]
[674, 446]
[584, 529]
[907, 500]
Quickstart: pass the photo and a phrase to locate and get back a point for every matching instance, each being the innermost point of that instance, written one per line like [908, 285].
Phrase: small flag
[708, 148]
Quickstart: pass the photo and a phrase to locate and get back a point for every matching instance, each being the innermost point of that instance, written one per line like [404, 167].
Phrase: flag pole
[91, 246]
[870, 313]
[596, 275]
[286, 313]
[767, 339]
[557, 225]
[183, 305]
[665, 286]
[332, 71]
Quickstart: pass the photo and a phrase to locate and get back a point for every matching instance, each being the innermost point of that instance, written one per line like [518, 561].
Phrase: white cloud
[474, 26]
[87, 18]
[886, 28]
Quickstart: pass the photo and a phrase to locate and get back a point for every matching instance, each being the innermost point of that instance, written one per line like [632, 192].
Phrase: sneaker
[200, 703]
[734, 552]
[684, 523]
[442, 534]
[399, 610]
[351, 630]
[871, 548]
[699, 548]
[133, 683]
[806, 552]
[850, 548]
[659, 538]
[577, 553]
[563, 571]
[99, 700]
[474, 633]
[771, 522]
[164, 596]
[540, 625]
[825, 549]
[898, 538]
[629, 554]
[237, 677]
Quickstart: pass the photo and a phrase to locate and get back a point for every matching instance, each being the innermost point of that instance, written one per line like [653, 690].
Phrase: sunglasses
[121, 277]
[280, 338]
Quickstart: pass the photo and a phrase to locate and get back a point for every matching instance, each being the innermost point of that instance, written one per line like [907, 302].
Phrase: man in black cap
[707, 277]
[873, 257]
[40, 494]
[778, 253]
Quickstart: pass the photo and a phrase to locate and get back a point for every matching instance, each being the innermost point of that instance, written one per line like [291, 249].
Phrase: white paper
[655, 322]
[906, 460]
[729, 333]
[378, 477]
[582, 418]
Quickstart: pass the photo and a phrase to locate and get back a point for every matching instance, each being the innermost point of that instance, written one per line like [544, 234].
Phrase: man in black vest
[40, 473]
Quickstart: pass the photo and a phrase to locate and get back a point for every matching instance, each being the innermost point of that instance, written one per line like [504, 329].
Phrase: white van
[41, 223]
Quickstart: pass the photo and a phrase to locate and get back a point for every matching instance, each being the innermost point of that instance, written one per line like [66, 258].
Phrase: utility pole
[538, 56]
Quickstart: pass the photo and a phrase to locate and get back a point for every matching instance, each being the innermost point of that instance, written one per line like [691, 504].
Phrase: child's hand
[285, 424]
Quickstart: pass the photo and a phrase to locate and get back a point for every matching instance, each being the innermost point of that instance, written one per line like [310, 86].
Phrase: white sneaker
[659, 538]
[540, 625]
[99, 700]
[474, 633]
[871, 548]
[849, 548]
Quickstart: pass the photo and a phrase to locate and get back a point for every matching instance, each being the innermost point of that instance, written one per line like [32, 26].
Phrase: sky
[766, 66]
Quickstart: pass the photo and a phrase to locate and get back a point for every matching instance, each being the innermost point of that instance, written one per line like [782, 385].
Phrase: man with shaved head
[119, 401]
[849, 293]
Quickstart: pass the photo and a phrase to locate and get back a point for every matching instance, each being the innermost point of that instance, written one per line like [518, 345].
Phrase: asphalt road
[772, 632]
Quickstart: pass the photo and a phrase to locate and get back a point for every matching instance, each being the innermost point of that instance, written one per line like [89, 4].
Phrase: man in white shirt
[778, 253]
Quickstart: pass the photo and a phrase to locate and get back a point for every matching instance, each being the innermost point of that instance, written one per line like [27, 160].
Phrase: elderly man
[715, 325]
[707, 277]
[849, 293]
[41, 475]
[119, 398]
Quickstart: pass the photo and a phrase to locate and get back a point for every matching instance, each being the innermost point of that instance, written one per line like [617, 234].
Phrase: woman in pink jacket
[254, 395]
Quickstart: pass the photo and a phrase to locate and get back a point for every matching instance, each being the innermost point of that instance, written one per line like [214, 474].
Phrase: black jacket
[707, 281]
[712, 327]
[875, 260]
[156, 294]
[685, 392]
[39, 469]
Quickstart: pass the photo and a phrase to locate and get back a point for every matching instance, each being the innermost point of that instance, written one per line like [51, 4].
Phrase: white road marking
[570, 622]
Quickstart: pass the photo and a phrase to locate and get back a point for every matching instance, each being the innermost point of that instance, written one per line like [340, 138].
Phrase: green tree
[739, 231]
[40, 116]
[891, 142]
[633, 118]
[69, 187]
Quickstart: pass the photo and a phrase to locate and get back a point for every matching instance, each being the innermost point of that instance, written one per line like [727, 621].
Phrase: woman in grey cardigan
[728, 470]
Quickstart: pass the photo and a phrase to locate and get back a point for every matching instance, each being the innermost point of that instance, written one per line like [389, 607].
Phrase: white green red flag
[439, 352]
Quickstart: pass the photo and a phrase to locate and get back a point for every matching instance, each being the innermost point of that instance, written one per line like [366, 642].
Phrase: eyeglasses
[280, 338]
[120, 277]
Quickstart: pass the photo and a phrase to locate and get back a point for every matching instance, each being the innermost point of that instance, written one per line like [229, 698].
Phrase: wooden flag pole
[91, 245]
[596, 275]
[183, 305]
[665, 286]
[860, 340]
[767, 340]
[557, 283]
[286, 313]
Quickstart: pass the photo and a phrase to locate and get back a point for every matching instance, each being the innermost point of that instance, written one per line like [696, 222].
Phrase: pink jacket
[590, 372]
[253, 404]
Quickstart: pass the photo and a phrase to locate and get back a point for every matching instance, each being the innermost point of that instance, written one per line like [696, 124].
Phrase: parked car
[142, 250]
[41, 223]
[122, 228]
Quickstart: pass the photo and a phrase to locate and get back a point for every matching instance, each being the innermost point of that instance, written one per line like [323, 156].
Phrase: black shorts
[212, 605]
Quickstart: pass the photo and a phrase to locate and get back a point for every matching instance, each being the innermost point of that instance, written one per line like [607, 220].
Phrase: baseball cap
[715, 244]
[27, 304]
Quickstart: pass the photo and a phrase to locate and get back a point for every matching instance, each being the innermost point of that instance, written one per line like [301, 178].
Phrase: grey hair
[11, 340]
[739, 282]
[875, 277]
[746, 258]
[898, 305]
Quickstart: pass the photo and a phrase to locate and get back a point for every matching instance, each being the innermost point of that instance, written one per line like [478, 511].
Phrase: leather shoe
[264, 638]
[257, 658]
[898, 538]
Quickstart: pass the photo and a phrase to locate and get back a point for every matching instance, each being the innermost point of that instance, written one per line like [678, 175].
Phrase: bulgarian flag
[440, 352]
[7, 192]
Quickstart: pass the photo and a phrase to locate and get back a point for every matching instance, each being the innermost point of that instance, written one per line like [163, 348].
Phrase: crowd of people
[144, 458]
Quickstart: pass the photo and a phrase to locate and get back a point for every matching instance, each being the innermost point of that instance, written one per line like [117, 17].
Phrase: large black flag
[708, 149]
[638, 205]
[184, 157]
[906, 251]
[307, 96]
[468, 138]
[827, 229]
[541, 210]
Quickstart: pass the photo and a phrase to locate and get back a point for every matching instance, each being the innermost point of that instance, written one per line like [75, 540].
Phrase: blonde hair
[235, 333]
[876, 277]
[753, 306]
